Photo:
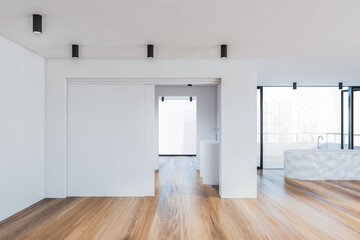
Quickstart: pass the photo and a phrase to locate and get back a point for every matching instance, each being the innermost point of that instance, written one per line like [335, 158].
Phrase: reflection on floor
[183, 208]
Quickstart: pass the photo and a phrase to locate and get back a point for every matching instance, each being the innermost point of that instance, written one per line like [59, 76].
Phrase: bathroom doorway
[177, 125]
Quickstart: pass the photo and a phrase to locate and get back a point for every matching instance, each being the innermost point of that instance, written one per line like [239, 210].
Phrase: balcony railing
[304, 137]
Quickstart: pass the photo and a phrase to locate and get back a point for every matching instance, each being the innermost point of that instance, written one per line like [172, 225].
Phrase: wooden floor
[183, 208]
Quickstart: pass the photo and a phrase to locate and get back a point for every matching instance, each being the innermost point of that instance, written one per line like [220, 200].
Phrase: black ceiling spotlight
[189, 85]
[150, 51]
[223, 51]
[162, 99]
[37, 24]
[75, 51]
[294, 85]
[340, 85]
[190, 99]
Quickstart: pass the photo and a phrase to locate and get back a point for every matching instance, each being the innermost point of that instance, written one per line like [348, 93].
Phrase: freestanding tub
[322, 164]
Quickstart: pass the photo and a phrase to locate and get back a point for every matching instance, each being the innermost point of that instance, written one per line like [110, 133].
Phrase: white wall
[308, 71]
[205, 110]
[22, 126]
[106, 147]
[238, 108]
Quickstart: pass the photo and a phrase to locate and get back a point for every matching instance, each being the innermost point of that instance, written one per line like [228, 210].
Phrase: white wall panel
[22, 128]
[106, 145]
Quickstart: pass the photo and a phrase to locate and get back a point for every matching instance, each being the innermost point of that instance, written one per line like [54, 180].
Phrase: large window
[345, 117]
[356, 118]
[177, 126]
[306, 118]
[351, 106]
[259, 127]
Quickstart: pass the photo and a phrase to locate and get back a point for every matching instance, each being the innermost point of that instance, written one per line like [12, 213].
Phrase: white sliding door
[106, 140]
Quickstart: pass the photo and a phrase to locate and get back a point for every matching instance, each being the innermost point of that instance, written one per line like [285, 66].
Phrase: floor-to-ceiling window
[177, 125]
[356, 121]
[351, 117]
[305, 118]
[259, 127]
[345, 118]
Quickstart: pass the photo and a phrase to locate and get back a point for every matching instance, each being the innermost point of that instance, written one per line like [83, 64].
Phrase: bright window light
[177, 126]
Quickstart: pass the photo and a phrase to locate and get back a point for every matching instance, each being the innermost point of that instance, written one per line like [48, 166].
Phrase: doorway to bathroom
[177, 125]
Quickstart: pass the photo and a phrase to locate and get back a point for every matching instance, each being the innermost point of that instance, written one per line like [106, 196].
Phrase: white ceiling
[187, 28]
[296, 40]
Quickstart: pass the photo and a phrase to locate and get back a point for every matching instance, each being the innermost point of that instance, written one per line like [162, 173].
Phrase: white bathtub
[322, 164]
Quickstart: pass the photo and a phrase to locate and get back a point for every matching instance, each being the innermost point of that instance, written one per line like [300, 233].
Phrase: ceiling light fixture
[37, 24]
[223, 51]
[75, 51]
[150, 51]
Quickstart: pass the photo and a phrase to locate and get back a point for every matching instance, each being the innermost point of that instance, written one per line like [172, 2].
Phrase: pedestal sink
[209, 162]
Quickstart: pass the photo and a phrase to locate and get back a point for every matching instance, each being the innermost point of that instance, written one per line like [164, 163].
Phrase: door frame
[351, 90]
[261, 128]
[342, 118]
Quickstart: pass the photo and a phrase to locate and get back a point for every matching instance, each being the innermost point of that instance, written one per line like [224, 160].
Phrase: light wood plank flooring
[184, 208]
